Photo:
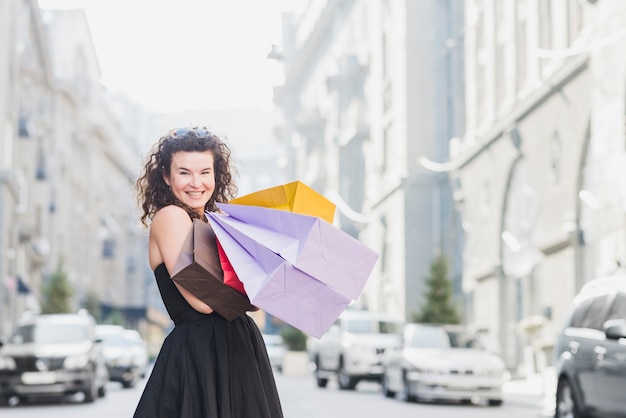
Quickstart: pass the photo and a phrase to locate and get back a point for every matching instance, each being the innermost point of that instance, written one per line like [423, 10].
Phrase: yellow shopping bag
[293, 197]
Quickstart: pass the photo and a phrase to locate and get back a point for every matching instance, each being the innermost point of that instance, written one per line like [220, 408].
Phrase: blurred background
[485, 136]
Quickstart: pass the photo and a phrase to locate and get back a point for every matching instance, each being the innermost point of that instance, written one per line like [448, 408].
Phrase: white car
[276, 350]
[118, 352]
[353, 348]
[442, 362]
[139, 348]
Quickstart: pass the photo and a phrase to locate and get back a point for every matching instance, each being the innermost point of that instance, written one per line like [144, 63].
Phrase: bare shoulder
[170, 226]
[169, 214]
[169, 221]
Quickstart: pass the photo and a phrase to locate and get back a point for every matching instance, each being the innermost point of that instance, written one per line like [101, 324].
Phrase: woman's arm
[168, 232]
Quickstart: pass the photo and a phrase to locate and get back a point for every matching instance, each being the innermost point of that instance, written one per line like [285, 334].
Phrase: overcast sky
[173, 55]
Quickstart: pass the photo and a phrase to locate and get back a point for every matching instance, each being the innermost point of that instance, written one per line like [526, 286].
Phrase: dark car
[591, 352]
[52, 356]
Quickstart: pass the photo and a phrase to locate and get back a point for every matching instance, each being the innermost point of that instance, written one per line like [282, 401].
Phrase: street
[300, 398]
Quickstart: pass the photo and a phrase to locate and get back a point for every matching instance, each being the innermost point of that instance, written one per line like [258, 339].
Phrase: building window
[41, 171]
[501, 25]
[545, 28]
[574, 20]
[108, 248]
[521, 47]
[481, 71]
[24, 127]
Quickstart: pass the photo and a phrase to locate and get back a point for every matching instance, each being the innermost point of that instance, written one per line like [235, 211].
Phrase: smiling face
[192, 178]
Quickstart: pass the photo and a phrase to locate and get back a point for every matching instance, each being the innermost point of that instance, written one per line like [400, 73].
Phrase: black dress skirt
[208, 367]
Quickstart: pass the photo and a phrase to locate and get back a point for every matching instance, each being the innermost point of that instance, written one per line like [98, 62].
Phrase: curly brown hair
[152, 191]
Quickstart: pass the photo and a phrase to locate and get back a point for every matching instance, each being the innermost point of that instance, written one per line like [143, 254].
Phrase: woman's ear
[166, 178]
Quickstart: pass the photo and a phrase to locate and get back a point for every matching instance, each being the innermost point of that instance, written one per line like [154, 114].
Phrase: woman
[208, 366]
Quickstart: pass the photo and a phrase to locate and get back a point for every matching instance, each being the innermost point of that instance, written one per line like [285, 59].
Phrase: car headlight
[79, 361]
[7, 363]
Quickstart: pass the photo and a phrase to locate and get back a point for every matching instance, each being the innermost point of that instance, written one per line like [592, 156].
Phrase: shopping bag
[230, 277]
[198, 269]
[293, 197]
[277, 287]
[309, 243]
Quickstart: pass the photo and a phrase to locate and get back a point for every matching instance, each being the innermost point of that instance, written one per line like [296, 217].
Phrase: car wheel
[102, 391]
[92, 393]
[385, 386]
[322, 382]
[495, 402]
[406, 391]
[319, 379]
[130, 383]
[345, 381]
[566, 404]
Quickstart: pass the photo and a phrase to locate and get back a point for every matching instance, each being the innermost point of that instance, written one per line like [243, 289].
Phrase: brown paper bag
[198, 270]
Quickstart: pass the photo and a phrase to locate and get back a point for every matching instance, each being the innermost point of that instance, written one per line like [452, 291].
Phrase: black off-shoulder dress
[208, 367]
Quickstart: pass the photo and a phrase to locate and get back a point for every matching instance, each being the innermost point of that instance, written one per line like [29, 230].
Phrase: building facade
[517, 106]
[66, 169]
[539, 171]
[370, 87]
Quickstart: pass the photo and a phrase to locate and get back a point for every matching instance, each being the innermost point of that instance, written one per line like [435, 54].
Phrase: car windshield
[427, 337]
[367, 326]
[460, 339]
[433, 337]
[273, 340]
[114, 339]
[50, 334]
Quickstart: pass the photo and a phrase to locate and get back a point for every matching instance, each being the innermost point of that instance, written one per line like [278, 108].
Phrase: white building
[370, 87]
[541, 166]
[66, 171]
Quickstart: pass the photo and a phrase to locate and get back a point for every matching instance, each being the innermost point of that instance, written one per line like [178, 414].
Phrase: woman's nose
[195, 180]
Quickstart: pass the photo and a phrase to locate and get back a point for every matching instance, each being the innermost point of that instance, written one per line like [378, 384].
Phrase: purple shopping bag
[309, 243]
[276, 286]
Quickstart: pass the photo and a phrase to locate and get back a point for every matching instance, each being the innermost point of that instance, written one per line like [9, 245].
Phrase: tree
[439, 307]
[116, 318]
[57, 293]
[92, 304]
[295, 340]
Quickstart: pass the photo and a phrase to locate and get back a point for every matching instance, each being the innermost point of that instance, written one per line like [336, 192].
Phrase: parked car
[276, 350]
[353, 347]
[139, 349]
[52, 356]
[118, 353]
[591, 352]
[442, 362]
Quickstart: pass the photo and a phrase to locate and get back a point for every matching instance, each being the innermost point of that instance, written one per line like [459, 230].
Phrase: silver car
[139, 348]
[442, 362]
[119, 355]
[276, 350]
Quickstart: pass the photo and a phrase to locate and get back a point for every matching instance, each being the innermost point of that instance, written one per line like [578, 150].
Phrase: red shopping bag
[230, 277]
